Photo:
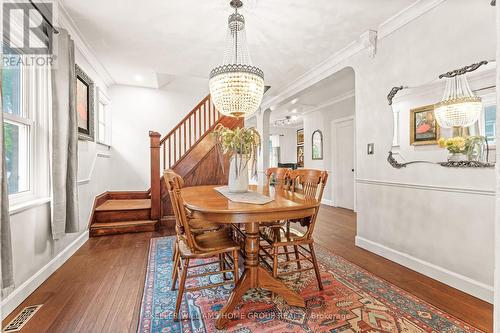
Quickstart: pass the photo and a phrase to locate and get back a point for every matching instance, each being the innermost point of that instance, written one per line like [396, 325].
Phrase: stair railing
[167, 152]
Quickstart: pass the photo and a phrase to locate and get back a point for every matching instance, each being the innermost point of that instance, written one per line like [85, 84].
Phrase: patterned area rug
[353, 300]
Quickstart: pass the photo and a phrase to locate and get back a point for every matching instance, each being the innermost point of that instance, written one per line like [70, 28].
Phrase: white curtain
[64, 138]
[6, 274]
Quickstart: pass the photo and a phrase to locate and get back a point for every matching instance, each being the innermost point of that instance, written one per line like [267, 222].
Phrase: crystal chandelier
[236, 86]
[459, 107]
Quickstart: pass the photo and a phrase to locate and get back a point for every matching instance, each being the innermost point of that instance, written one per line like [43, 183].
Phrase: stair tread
[128, 204]
[123, 224]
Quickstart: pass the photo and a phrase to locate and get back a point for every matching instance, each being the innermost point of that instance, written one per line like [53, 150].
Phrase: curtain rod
[44, 17]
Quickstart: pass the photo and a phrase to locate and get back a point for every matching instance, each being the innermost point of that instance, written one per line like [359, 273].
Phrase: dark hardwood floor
[100, 288]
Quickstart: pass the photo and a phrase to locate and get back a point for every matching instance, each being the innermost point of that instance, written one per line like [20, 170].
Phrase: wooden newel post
[154, 138]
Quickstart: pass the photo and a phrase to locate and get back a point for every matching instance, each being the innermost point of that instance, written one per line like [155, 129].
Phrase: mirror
[317, 145]
[431, 125]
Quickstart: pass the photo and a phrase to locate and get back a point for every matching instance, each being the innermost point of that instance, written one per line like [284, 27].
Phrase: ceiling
[155, 43]
[327, 91]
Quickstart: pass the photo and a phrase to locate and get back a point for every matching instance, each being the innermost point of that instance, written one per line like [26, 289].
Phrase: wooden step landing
[130, 204]
[121, 227]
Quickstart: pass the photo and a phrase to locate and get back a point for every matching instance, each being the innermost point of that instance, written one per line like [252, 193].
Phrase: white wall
[135, 111]
[321, 120]
[288, 143]
[35, 254]
[435, 220]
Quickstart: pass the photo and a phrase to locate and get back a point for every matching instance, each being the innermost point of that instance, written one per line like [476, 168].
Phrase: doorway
[343, 163]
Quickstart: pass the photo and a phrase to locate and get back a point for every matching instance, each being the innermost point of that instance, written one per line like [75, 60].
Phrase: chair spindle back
[311, 184]
[174, 184]
[280, 177]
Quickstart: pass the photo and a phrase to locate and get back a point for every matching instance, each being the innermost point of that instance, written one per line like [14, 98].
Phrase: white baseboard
[458, 281]
[22, 292]
[327, 202]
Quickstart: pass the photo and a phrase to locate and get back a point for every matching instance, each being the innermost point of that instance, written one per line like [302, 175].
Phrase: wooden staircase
[189, 150]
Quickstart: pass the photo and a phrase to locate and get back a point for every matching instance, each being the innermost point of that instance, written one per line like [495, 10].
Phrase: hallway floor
[100, 288]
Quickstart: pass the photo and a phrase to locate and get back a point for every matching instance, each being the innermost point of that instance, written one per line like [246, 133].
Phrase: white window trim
[24, 196]
[488, 99]
[103, 99]
[36, 95]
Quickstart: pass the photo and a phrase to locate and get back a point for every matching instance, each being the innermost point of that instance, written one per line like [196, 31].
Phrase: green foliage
[241, 143]
[471, 145]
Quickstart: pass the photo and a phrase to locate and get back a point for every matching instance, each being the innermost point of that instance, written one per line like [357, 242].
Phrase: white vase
[457, 157]
[238, 175]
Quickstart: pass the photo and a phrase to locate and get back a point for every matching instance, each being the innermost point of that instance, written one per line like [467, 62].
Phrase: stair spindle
[209, 115]
[175, 146]
[199, 121]
[185, 138]
[169, 152]
[189, 132]
[213, 112]
[164, 157]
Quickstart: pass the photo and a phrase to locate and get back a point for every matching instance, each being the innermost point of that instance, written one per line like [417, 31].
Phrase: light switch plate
[370, 149]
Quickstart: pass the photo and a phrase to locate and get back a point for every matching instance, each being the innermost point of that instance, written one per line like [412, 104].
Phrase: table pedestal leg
[255, 277]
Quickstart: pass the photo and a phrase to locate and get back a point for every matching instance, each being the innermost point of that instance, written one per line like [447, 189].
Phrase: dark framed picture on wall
[300, 156]
[424, 128]
[84, 104]
[300, 137]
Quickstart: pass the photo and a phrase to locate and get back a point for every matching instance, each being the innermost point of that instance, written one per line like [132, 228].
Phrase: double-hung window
[103, 119]
[487, 121]
[26, 99]
[18, 130]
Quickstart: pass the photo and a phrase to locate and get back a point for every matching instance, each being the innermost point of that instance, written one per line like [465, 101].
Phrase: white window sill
[21, 207]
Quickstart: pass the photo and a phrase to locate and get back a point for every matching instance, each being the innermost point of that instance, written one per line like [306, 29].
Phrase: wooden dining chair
[278, 177]
[310, 184]
[198, 245]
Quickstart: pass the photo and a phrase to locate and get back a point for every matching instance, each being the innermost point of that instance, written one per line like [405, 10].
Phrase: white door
[343, 163]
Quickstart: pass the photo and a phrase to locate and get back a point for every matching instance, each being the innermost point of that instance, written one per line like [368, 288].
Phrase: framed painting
[317, 145]
[300, 137]
[424, 129]
[84, 104]
[300, 156]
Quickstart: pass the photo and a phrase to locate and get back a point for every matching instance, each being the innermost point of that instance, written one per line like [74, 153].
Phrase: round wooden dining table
[206, 203]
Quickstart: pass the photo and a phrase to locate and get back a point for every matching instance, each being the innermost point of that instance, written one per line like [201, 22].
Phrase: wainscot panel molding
[426, 187]
[458, 281]
[335, 62]
[87, 179]
[14, 299]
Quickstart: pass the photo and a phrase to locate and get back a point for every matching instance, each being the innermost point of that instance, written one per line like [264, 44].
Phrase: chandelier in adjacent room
[236, 87]
[459, 107]
[288, 120]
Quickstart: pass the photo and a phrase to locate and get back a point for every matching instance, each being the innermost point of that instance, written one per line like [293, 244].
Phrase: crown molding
[65, 21]
[335, 100]
[319, 72]
[336, 62]
[406, 16]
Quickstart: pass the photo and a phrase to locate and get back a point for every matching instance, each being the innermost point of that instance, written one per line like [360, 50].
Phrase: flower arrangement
[242, 144]
[455, 145]
[470, 146]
